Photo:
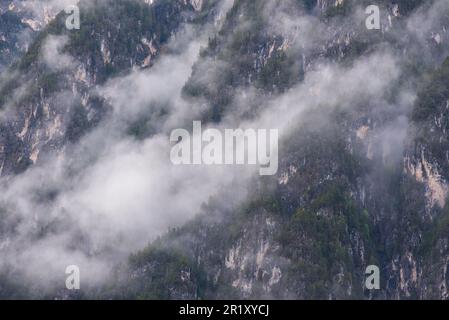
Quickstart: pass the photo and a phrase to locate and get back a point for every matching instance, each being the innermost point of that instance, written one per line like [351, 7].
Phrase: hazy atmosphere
[357, 93]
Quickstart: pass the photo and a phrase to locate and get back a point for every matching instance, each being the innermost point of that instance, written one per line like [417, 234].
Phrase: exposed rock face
[20, 22]
[363, 177]
[63, 107]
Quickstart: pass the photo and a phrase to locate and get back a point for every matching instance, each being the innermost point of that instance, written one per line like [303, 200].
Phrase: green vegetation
[433, 95]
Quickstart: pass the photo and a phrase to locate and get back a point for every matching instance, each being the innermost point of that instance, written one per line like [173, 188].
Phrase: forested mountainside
[12, 35]
[19, 24]
[364, 150]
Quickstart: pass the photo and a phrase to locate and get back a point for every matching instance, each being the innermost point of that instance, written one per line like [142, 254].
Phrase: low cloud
[53, 53]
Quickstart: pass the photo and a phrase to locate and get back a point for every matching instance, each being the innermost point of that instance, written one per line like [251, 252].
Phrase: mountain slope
[342, 201]
[363, 153]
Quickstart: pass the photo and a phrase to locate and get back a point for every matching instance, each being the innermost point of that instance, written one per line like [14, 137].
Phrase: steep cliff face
[344, 197]
[363, 175]
[13, 34]
[49, 97]
[20, 22]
